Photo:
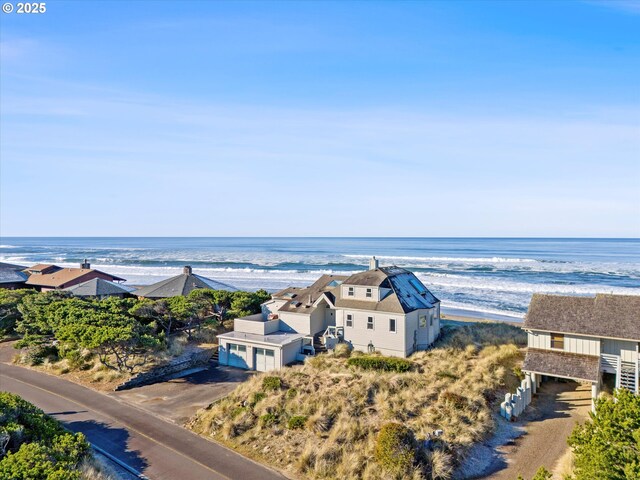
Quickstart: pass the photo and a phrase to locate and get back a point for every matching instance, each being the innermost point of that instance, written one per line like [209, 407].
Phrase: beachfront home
[12, 276]
[586, 339]
[182, 284]
[46, 277]
[99, 288]
[385, 309]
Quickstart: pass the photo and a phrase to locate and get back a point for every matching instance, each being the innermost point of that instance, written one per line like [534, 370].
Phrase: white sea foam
[9, 246]
[450, 259]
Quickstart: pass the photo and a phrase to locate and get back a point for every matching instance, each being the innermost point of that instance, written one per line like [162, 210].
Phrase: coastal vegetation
[608, 445]
[336, 418]
[34, 446]
[114, 337]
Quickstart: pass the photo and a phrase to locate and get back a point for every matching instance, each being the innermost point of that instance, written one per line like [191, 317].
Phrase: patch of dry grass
[455, 387]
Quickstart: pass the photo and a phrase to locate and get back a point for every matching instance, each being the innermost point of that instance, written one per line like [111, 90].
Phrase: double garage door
[265, 360]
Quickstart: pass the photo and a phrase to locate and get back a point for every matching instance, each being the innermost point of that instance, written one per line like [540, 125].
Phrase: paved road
[157, 448]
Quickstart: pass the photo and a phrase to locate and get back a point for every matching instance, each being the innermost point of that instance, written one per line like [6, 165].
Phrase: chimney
[86, 265]
[373, 263]
[186, 270]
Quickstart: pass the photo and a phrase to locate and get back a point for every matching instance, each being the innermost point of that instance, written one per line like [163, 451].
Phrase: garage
[237, 355]
[265, 360]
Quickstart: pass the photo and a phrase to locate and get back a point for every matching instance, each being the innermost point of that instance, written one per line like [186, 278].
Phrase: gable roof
[407, 292]
[605, 315]
[302, 300]
[98, 287]
[182, 284]
[10, 273]
[54, 276]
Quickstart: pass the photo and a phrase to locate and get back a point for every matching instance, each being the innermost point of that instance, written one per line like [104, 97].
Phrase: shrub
[37, 354]
[297, 421]
[447, 374]
[257, 396]
[395, 448]
[542, 474]
[74, 359]
[385, 364]
[517, 371]
[271, 383]
[342, 350]
[268, 419]
[292, 392]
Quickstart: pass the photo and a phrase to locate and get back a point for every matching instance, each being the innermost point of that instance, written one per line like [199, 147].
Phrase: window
[368, 293]
[349, 320]
[350, 292]
[369, 323]
[431, 320]
[557, 341]
[392, 325]
[423, 321]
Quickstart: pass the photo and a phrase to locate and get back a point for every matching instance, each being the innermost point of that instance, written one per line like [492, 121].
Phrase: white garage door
[265, 360]
[237, 355]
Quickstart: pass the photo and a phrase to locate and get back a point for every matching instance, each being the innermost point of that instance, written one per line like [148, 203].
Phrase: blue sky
[321, 118]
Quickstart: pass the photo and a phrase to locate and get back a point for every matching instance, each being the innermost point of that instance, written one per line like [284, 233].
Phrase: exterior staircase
[318, 345]
[216, 355]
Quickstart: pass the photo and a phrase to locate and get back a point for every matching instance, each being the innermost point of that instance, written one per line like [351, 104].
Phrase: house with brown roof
[586, 339]
[46, 277]
[385, 309]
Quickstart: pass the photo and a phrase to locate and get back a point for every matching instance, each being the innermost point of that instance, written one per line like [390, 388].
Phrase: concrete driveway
[179, 399]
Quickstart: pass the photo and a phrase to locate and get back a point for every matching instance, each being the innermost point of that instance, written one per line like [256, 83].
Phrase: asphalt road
[155, 447]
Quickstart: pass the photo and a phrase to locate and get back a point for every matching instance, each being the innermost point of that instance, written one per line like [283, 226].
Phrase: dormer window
[350, 291]
[369, 293]
[557, 341]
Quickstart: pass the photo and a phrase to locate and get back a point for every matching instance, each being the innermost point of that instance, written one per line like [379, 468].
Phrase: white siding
[282, 355]
[541, 340]
[359, 336]
[360, 293]
[582, 345]
[626, 350]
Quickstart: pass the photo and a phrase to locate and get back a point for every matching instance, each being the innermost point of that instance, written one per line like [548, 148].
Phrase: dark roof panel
[182, 284]
[562, 364]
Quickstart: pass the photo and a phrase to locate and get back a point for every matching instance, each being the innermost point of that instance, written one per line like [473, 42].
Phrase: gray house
[99, 288]
[12, 276]
[584, 339]
[385, 309]
[182, 284]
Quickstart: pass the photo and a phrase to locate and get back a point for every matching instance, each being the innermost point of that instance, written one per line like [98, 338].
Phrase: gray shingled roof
[182, 284]
[10, 273]
[605, 315]
[301, 300]
[407, 292]
[97, 287]
[562, 364]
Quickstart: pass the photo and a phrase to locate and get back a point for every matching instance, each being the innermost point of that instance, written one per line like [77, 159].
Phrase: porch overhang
[562, 364]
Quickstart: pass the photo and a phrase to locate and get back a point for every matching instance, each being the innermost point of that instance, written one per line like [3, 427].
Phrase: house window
[431, 320]
[557, 341]
[368, 293]
[369, 323]
[392, 325]
[423, 321]
[350, 292]
[349, 320]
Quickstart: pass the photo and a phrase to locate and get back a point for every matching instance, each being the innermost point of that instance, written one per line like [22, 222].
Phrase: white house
[385, 309]
[584, 339]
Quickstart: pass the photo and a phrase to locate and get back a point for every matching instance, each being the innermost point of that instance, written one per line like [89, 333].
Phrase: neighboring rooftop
[562, 364]
[182, 284]
[53, 276]
[605, 315]
[97, 287]
[10, 273]
[302, 299]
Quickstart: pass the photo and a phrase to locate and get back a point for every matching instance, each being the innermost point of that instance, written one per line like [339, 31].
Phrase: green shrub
[447, 374]
[38, 353]
[257, 396]
[271, 383]
[236, 412]
[395, 448]
[75, 359]
[297, 421]
[542, 474]
[517, 371]
[292, 392]
[268, 419]
[385, 364]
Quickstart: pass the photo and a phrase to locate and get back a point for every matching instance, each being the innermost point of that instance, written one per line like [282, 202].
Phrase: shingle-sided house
[12, 276]
[385, 309]
[584, 338]
[182, 284]
[46, 277]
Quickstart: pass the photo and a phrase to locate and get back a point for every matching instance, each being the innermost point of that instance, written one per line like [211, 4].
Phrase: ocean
[492, 277]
